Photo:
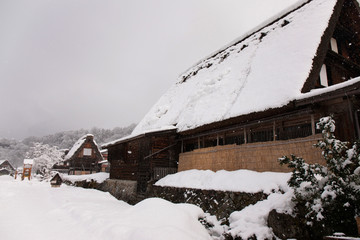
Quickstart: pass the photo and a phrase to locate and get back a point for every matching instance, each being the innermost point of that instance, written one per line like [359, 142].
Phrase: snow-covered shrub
[328, 197]
[45, 157]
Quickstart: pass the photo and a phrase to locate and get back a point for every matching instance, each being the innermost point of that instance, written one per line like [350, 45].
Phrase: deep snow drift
[34, 210]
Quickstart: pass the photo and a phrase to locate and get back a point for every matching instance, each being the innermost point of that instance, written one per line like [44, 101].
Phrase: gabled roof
[6, 161]
[79, 143]
[266, 69]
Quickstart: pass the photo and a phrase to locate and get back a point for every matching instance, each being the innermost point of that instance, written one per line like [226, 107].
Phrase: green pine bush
[327, 197]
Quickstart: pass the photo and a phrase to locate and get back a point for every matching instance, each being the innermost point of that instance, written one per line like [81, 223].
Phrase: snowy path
[34, 210]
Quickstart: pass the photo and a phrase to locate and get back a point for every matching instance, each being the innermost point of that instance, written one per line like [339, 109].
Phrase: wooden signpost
[28, 163]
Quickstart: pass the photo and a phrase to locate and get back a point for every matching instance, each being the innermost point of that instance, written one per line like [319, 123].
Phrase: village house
[6, 168]
[254, 100]
[84, 156]
[144, 157]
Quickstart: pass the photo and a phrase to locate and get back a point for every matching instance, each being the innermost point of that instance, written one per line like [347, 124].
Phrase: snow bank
[98, 177]
[236, 181]
[252, 220]
[156, 218]
[34, 210]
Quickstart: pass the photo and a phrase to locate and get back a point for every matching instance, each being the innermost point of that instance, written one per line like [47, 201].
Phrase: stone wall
[259, 157]
[124, 190]
[218, 203]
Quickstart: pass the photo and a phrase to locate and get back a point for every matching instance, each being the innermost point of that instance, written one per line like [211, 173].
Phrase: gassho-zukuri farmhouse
[254, 100]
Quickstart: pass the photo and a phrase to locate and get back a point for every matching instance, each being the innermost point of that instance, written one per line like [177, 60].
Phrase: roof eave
[132, 138]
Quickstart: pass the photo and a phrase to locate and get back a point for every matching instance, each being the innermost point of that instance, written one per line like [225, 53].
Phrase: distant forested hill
[15, 151]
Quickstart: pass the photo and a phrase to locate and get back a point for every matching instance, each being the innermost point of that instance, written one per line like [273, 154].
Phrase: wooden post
[357, 124]
[312, 124]
[274, 131]
[358, 223]
[245, 138]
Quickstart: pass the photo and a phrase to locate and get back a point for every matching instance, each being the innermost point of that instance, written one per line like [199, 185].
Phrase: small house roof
[77, 145]
[265, 69]
[6, 161]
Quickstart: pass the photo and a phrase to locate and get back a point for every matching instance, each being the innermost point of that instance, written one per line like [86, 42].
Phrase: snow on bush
[44, 157]
[330, 194]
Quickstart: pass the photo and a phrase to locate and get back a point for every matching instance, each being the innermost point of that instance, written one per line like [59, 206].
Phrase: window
[334, 45]
[261, 136]
[87, 152]
[323, 76]
[297, 131]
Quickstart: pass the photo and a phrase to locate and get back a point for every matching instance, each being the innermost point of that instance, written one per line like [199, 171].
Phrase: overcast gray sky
[71, 64]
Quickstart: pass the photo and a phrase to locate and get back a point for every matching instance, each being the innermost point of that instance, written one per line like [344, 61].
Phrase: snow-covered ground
[34, 210]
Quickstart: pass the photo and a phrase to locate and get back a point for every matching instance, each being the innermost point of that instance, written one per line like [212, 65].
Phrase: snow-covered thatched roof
[78, 144]
[263, 70]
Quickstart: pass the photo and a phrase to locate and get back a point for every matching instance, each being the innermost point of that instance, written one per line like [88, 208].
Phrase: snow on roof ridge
[249, 33]
[87, 135]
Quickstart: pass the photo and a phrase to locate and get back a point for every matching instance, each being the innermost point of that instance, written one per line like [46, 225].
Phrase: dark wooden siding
[138, 158]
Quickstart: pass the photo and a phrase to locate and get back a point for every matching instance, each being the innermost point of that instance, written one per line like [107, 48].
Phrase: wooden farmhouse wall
[147, 157]
[256, 144]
